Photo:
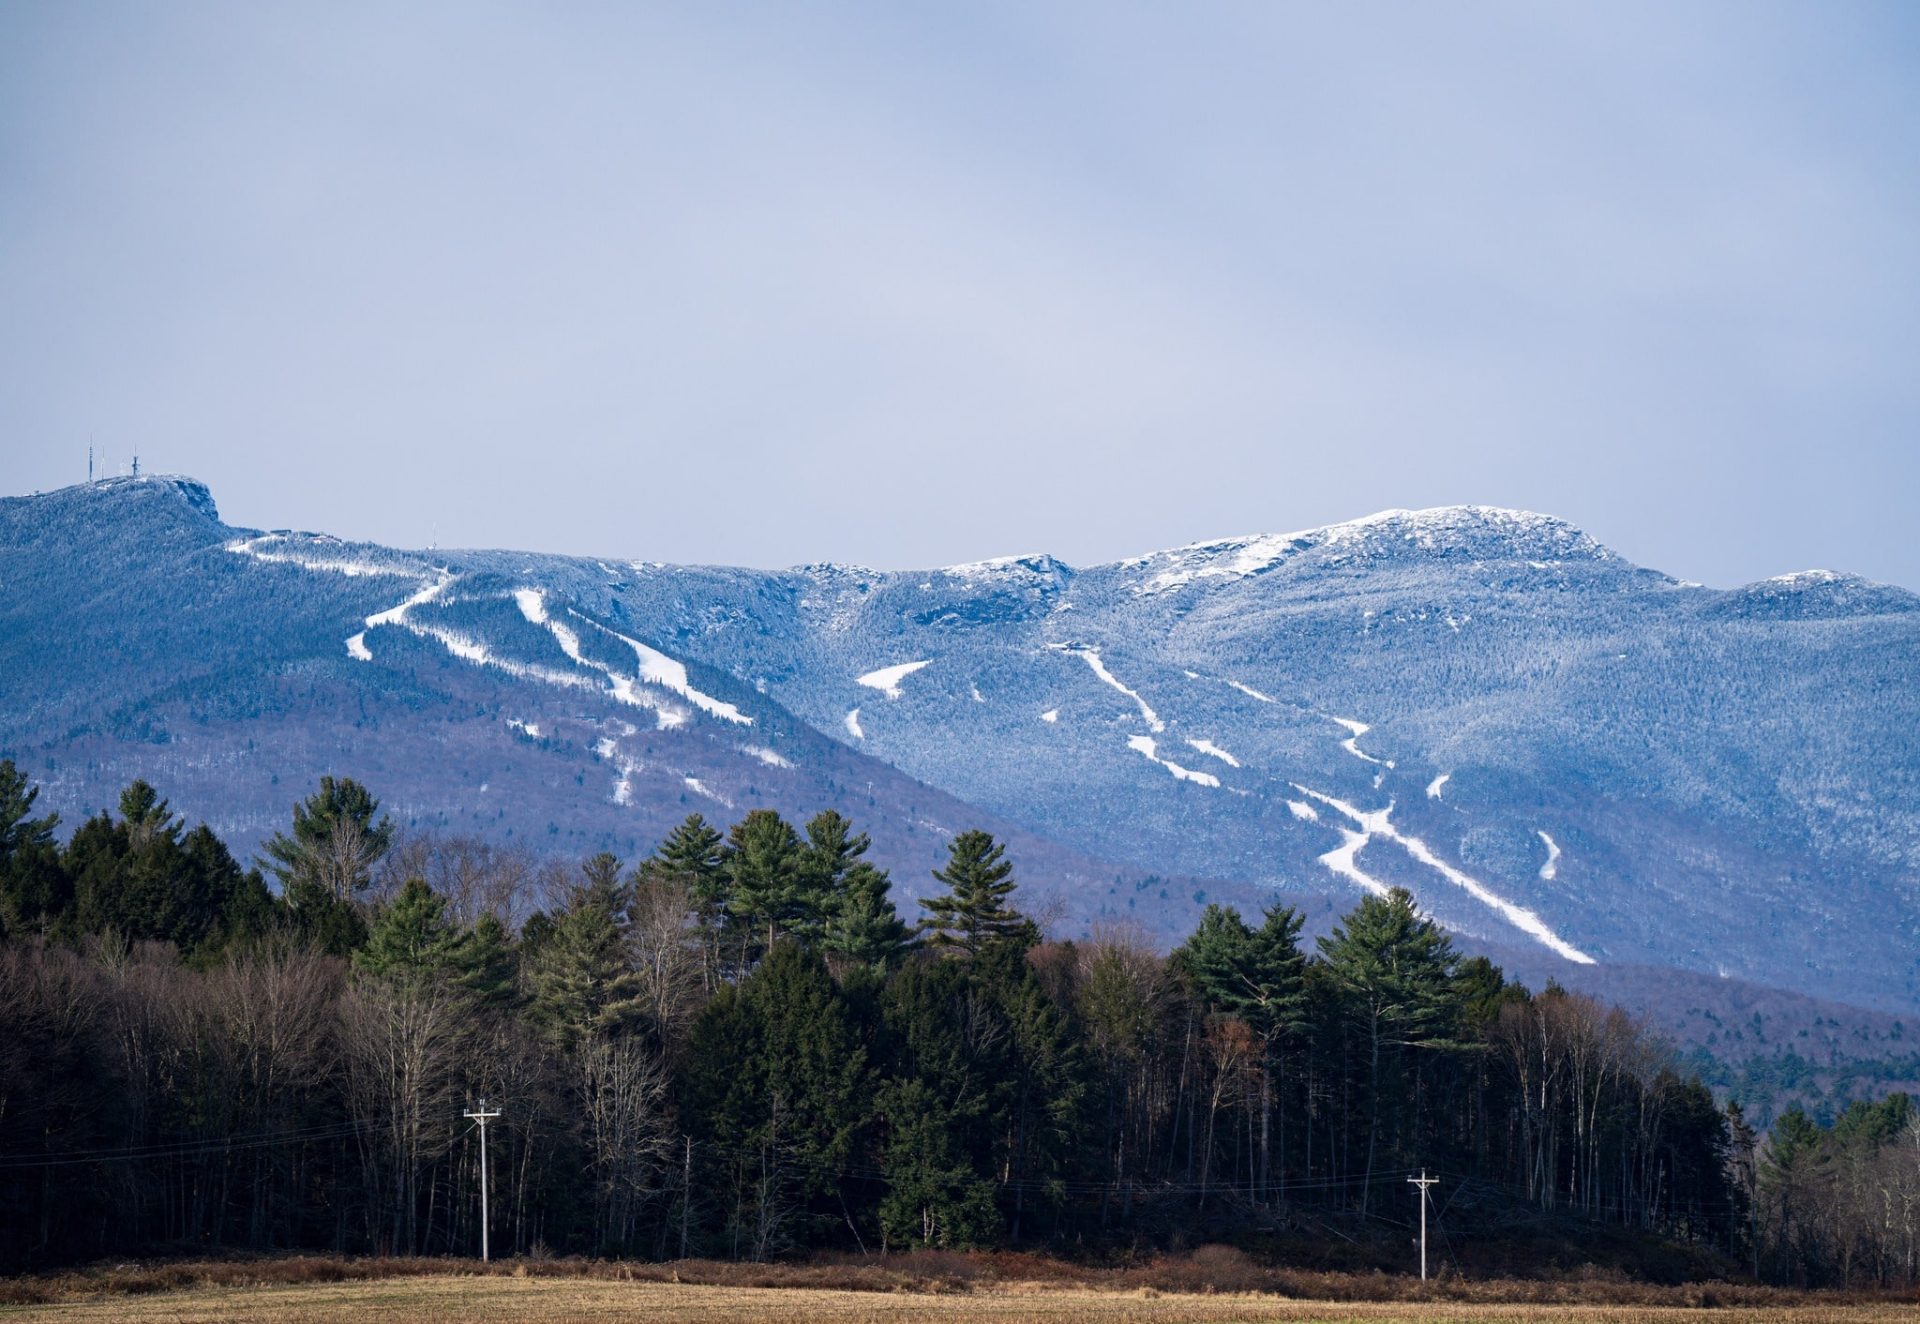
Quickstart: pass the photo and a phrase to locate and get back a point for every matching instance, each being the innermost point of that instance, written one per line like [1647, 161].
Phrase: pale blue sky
[908, 284]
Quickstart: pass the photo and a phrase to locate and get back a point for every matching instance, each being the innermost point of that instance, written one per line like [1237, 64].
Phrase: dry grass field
[433, 1300]
[1213, 1284]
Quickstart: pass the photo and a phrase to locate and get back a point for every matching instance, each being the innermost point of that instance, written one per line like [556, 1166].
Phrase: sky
[907, 285]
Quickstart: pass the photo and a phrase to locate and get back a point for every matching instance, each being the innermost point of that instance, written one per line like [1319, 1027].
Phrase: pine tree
[583, 981]
[864, 926]
[973, 913]
[1258, 976]
[335, 841]
[763, 865]
[411, 939]
[34, 887]
[1393, 968]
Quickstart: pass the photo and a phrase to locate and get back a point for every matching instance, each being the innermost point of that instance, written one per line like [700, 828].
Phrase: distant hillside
[1565, 756]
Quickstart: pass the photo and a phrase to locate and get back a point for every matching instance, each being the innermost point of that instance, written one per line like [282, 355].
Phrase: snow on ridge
[852, 721]
[1209, 748]
[1091, 656]
[887, 679]
[1434, 786]
[1147, 745]
[1431, 529]
[1551, 869]
[1379, 823]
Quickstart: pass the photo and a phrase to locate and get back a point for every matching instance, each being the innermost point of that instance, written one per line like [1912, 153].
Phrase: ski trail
[1091, 656]
[1433, 787]
[1341, 860]
[1379, 823]
[699, 787]
[853, 725]
[357, 648]
[656, 668]
[1209, 748]
[772, 758]
[1351, 743]
[1303, 811]
[1146, 745]
[887, 679]
[1251, 692]
[1551, 869]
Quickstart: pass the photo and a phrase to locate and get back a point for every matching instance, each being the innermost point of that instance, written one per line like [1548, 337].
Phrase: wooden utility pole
[1423, 1181]
[482, 1116]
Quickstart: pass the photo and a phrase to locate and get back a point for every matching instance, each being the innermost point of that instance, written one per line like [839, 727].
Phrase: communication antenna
[482, 1116]
[89, 460]
[136, 464]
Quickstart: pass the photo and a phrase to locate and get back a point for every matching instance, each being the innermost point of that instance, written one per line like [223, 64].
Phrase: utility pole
[1423, 1181]
[686, 1196]
[482, 1116]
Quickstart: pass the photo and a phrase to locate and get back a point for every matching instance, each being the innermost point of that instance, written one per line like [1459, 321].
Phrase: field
[429, 1292]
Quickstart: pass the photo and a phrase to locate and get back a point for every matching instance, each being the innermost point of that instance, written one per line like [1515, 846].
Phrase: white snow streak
[1551, 869]
[533, 604]
[853, 725]
[1091, 656]
[1304, 811]
[1146, 745]
[1051, 715]
[656, 668]
[1351, 743]
[767, 756]
[1209, 748]
[1251, 692]
[699, 787]
[887, 679]
[529, 729]
[1379, 823]
[1433, 787]
[357, 647]
[1341, 859]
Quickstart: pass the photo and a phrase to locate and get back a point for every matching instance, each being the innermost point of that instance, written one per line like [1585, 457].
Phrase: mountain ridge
[1546, 741]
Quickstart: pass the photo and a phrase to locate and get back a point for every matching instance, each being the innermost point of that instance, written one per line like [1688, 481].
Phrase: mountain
[1578, 763]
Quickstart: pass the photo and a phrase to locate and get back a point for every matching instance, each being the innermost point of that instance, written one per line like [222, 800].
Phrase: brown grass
[1214, 1283]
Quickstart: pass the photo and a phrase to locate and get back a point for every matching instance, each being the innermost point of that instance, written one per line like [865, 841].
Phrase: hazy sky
[908, 284]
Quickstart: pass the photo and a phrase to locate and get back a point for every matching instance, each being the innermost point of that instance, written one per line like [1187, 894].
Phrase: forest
[737, 1047]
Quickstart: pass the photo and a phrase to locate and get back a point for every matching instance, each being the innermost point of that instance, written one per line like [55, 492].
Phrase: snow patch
[529, 729]
[1147, 745]
[853, 725]
[533, 604]
[357, 647]
[978, 697]
[1050, 716]
[1551, 869]
[1434, 786]
[887, 679]
[1304, 811]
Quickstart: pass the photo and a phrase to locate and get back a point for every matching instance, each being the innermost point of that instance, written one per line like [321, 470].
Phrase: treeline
[738, 1047]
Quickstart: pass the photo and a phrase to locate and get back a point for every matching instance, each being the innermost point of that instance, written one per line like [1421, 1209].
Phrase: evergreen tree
[1393, 968]
[973, 912]
[864, 926]
[411, 939]
[763, 868]
[583, 981]
[335, 841]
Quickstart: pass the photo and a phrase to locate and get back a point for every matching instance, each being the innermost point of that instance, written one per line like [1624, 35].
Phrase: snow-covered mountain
[1567, 757]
